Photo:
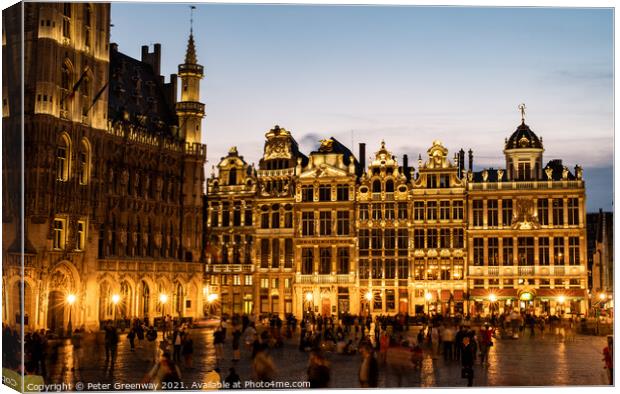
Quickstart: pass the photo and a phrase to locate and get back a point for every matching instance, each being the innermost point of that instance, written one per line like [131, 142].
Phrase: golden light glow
[602, 296]
[71, 299]
[308, 296]
[116, 298]
[492, 297]
[428, 296]
[368, 296]
[561, 299]
[163, 298]
[212, 297]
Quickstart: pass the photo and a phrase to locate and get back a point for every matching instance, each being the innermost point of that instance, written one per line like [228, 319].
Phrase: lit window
[58, 239]
[81, 235]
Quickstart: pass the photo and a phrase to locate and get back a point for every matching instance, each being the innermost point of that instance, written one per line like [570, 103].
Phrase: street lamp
[492, 299]
[115, 299]
[70, 301]
[561, 300]
[163, 298]
[428, 296]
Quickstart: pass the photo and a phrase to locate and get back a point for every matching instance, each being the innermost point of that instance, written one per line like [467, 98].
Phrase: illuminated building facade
[526, 233]
[113, 179]
[389, 239]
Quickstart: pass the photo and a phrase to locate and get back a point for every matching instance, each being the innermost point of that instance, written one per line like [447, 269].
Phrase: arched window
[376, 186]
[63, 154]
[124, 308]
[146, 298]
[389, 186]
[179, 299]
[84, 162]
[86, 94]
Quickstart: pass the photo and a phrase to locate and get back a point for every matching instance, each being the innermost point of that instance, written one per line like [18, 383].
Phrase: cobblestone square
[552, 360]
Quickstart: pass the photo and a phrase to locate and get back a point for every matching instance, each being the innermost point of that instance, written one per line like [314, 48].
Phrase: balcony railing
[274, 173]
[520, 185]
[325, 279]
[530, 270]
[229, 268]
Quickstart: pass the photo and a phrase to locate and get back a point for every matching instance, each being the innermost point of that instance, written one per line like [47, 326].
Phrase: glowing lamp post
[70, 301]
[492, 300]
[163, 299]
[561, 300]
[115, 299]
[428, 297]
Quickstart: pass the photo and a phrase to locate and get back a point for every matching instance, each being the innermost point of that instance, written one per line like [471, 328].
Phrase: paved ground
[550, 361]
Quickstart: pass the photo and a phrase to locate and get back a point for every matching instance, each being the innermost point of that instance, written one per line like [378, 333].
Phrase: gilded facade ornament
[524, 217]
[327, 145]
[549, 173]
[565, 173]
[500, 175]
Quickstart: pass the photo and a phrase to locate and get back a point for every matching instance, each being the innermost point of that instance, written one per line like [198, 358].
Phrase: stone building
[388, 239]
[526, 233]
[112, 178]
[438, 230]
[601, 256]
[324, 237]
[230, 236]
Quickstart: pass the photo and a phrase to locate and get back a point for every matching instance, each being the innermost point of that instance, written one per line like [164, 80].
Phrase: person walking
[264, 369]
[111, 344]
[165, 374]
[485, 343]
[467, 361]
[369, 368]
[188, 351]
[318, 371]
[232, 381]
[608, 358]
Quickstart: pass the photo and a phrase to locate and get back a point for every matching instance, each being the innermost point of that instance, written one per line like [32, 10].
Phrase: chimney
[461, 162]
[406, 165]
[152, 58]
[114, 46]
[362, 157]
[471, 160]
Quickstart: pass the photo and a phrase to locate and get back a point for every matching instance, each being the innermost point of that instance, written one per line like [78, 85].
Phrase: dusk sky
[409, 75]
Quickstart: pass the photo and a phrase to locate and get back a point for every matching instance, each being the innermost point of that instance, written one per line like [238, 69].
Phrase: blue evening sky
[405, 74]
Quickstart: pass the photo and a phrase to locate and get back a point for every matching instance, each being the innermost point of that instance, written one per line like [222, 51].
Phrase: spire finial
[522, 108]
[191, 19]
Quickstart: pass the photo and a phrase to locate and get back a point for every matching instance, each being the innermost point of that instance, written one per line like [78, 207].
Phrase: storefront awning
[458, 295]
[445, 295]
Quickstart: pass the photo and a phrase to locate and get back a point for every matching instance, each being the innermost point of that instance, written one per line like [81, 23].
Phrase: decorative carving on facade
[524, 217]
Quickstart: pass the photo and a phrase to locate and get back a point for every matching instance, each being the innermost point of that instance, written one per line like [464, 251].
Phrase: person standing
[111, 344]
[236, 339]
[486, 341]
[131, 336]
[369, 368]
[467, 361]
[177, 341]
[447, 339]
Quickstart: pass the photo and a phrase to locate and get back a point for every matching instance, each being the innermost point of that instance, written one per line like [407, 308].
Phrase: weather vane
[522, 109]
[191, 18]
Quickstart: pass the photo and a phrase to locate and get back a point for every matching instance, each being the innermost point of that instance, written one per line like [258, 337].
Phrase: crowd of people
[384, 344]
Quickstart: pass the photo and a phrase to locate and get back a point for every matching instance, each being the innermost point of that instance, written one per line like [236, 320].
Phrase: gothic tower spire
[189, 109]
